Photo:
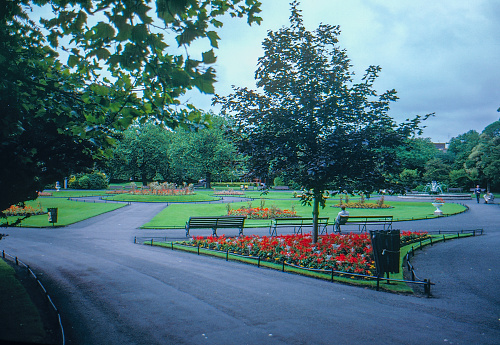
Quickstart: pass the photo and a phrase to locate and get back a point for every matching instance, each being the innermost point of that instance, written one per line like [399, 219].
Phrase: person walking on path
[477, 191]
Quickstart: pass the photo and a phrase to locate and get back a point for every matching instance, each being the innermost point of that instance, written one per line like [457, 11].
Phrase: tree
[60, 116]
[460, 148]
[311, 120]
[205, 154]
[142, 154]
[483, 163]
[436, 170]
[416, 152]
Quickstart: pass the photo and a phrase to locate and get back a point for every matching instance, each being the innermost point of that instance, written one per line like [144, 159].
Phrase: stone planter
[438, 211]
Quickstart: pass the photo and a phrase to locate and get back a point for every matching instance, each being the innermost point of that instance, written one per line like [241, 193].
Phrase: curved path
[111, 291]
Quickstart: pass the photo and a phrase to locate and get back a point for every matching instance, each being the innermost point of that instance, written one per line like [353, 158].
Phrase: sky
[442, 57]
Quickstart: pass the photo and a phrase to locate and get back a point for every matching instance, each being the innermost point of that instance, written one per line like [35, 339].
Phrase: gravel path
[111, 291]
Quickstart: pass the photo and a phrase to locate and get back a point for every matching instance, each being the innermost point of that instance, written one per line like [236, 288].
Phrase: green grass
[176, 216]
[75, 193]
[16, 309]
[163, 198]
[69, 212]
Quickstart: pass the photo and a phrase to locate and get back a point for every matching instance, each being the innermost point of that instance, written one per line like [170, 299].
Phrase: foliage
[483, 163]
[415, 153]
[461, 147]
[60, 117]
[141, 154]
[410, 178]
[436, 170]
[95, 180]
[205, 154]
[311, 120]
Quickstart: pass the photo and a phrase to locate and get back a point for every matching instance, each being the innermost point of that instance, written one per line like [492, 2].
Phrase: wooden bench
[214, 223]
[298, 224]
[364, 221]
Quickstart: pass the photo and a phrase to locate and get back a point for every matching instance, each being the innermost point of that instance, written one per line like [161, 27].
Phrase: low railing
[426, 283]
[40, 285]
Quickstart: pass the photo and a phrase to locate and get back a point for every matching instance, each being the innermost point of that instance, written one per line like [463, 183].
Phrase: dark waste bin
[386, 250]
[52, 212]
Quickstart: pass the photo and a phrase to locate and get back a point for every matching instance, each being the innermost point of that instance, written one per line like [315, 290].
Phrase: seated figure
[488, 197]
[341, 219]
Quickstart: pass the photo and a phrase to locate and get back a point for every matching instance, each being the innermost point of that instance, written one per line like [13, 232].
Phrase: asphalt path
[112, 291]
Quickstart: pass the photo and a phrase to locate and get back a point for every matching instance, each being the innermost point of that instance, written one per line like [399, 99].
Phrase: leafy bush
[95, 180]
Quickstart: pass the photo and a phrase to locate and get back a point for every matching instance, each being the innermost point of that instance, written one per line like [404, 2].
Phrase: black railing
[426, 283]
[42, 288]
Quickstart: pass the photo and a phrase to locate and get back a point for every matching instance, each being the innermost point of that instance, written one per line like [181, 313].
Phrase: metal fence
[42, 288]
[426, 283]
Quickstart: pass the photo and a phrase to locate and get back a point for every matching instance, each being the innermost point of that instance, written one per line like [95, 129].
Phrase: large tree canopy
[311, 120]
[59, 115]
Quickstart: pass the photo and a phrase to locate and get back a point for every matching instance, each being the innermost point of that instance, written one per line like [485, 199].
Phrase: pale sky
[440, 56]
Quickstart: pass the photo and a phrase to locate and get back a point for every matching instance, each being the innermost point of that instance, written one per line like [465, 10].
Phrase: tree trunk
[315, 214]
[208, 180]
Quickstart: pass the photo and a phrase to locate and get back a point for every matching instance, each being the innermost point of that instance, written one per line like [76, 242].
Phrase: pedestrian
[341, 219]
[477, 191]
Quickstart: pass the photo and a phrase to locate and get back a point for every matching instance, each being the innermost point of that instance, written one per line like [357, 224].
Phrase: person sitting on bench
[342, 217]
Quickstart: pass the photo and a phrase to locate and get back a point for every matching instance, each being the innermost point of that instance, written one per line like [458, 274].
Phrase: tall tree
[484, 161]
[311, 120]
[204, 154]
[142, 154]
[60, 116]
[461, 146]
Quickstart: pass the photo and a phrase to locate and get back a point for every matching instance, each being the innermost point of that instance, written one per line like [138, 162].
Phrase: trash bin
[52, 212]
[386, 250]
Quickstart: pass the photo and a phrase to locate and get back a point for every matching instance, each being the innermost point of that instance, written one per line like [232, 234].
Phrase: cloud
[440, 56]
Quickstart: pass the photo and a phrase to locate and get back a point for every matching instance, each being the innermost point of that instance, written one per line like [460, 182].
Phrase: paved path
[111, 291]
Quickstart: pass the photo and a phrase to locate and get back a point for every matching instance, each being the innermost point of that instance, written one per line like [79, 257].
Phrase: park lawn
[75, 193]
[69, 212]
[163, 198]
[16, 309]
[176, 215]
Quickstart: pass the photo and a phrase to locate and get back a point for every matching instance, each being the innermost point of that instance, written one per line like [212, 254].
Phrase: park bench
[364, 221]
[214, 223]
[298, 224]
[281, 188]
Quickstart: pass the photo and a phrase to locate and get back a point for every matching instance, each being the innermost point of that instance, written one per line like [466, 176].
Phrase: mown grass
[176, 216]
[20, 320]
[198, 197]
[69, 212]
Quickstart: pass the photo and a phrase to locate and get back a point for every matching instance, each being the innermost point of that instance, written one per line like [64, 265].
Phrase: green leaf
[214, 39]
[73, 60]
[209, 57]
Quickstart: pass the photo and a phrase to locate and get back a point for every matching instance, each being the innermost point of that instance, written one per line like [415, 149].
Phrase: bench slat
[215, 223]
[297, 224]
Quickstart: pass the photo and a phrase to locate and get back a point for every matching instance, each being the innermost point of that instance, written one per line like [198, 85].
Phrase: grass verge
[176, 216]
[69, 212]
[20, 320]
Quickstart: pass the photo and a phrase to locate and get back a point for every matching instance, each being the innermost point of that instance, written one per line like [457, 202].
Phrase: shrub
[95, 180]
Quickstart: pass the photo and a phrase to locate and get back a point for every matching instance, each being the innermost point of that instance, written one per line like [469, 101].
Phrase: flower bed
[44, 194]
[23, 211]
[228, 192]
[363, 205]
[262, 212]
[351, 253]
